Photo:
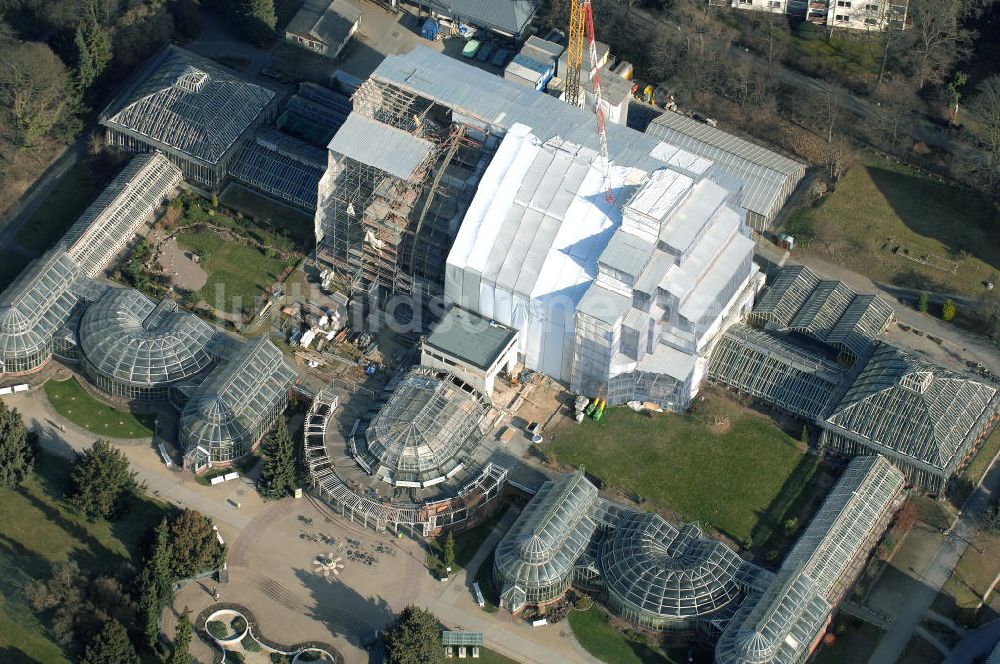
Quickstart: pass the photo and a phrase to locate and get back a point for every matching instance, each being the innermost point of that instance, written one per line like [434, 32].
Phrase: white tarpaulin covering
[516, 261]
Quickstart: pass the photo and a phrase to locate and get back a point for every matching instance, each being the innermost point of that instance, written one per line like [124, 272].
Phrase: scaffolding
[388, 229]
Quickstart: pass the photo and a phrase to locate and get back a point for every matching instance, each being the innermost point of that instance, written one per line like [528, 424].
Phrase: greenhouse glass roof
[126, 336]
[909, 407]
[188, 103]
[826, 310]
[36, 305]
[225, 408]
[778, 625]
[111, 220]
[428, 428]
[549, 535]
[662, 571]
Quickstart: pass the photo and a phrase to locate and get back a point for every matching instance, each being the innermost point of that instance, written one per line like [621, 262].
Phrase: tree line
[110, 618]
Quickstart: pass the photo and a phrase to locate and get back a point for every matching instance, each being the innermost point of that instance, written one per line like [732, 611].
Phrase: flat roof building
[474, 348]
[510, 18]
[191, 109]
[768, 178]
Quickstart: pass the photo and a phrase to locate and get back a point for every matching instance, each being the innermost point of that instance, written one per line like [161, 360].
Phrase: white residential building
[853, 14]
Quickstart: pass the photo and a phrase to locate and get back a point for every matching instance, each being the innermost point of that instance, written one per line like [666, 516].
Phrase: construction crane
[581, 22]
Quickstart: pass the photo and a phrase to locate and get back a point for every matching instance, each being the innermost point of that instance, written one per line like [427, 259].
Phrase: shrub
[217, 629]
[923, 301]
[250, 644]
[948, 310]
[238, 624]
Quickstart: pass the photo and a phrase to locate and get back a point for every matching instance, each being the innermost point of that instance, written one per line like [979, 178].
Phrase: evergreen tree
[413, 638]
[156, 583]
[16, 455]
[101, 477]
[93, 51]
[923, 301]
[449, 550]
[182, 640]
[254, 18]
[110, 646]
[278, 478]
[194, 547]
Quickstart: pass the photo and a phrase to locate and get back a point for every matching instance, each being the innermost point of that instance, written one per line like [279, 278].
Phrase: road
[922, 595]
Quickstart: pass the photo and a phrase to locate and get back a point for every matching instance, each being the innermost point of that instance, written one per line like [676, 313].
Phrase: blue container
[430, 29]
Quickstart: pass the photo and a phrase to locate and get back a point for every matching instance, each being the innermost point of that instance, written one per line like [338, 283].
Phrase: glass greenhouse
[238, 403]
[193, 110]
[426, 430]
[826, 310]
[32, 310]
[110, 222]
[926, 419]
[768, 367]
[134, 349]
[534, 562]
[661, 577]
[781, 624]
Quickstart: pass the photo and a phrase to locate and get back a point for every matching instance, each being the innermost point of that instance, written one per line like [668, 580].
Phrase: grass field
[597, 637]
[972, 576]
[882, 211]
[487, 656]
[742, 477]
[237, 273]
[37, 529]
[298, 226]
[243, 466]
[467, 543]
[72, 402]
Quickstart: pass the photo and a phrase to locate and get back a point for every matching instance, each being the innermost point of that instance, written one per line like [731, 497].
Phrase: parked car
[500, 57]
[485, 51]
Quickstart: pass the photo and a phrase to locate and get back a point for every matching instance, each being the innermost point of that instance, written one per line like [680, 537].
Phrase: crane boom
[574, 51]
[595, 79]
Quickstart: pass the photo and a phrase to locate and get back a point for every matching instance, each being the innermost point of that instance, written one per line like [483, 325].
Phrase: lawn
[74, 403]
[972, 576]
[467, 542]
[724, 466]
[487, 656]
[853, 643]
[243, 466]
[237, 273]
[484, 577]
[70, 197]
[294, 223]
[920, 651]
[36, 529]
[597, 637]
[962, 486]
[884, 217]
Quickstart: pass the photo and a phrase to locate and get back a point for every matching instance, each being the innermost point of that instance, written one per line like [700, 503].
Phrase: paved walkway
[925, 589]
[970, 345]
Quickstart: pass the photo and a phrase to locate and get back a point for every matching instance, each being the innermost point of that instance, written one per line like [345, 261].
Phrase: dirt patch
[721, 425]
[185, 273]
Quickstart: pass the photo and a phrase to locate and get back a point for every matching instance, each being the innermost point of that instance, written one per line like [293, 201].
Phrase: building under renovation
[194, 111]
[649, 572]
[768, 178]
[783, 623]
[418, 461]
